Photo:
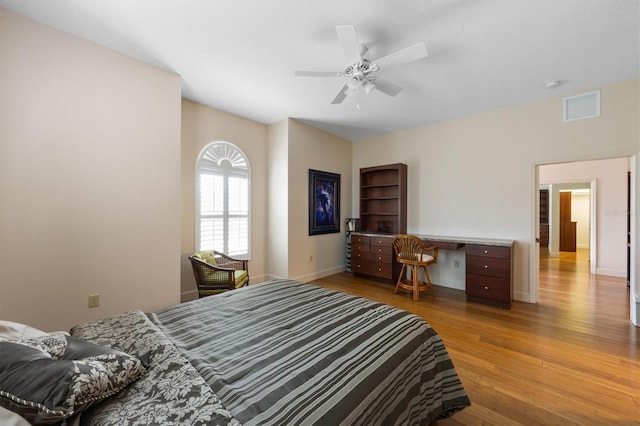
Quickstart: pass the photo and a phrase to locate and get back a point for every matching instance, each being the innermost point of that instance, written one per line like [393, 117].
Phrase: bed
[276, 353]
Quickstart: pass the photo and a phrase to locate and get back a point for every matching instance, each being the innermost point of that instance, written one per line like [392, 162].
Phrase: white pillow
[9, 418]
[10, 330]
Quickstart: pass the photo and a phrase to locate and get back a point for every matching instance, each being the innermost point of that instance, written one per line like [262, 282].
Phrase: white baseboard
[448, 284]
[319, 274]
[185, 296]
[522, 296]
[255, 279]
[611, 272]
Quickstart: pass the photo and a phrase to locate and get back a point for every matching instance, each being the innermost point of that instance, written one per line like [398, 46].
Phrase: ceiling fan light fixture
[359, 70]
[553, 84]
[368, 86]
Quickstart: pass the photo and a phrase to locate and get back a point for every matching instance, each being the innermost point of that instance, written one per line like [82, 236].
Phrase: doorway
[566, 212]
[608, 210]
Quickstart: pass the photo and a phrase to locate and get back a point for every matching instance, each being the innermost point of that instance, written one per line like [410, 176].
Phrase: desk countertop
[447, 239]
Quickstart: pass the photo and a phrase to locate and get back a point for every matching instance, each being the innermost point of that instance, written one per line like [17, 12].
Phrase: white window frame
[228, 158]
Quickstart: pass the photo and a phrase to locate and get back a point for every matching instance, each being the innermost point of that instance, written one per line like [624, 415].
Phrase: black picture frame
[324, 202]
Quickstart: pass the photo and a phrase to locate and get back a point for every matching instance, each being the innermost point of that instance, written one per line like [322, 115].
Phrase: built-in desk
[489, 263]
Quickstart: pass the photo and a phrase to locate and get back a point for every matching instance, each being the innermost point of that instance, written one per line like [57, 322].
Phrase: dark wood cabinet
[544, 206]
[544, 217]
[544, 235]
[372, 255]
[567, 227]
[489, 274]
[383, 199]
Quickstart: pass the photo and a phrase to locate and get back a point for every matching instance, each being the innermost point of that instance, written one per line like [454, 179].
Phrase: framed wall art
[324, 202]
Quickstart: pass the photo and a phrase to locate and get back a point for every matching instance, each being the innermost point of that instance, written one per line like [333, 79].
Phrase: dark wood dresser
[372, 255]
[489, 274]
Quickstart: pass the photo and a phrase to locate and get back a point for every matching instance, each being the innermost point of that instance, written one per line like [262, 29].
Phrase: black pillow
[51, 378]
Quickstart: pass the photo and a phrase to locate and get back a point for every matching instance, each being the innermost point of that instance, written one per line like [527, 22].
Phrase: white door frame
[534, 254]
[592, 231]
[634, 297]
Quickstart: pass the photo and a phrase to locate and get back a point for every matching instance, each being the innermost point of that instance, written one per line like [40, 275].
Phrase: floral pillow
[52, 378]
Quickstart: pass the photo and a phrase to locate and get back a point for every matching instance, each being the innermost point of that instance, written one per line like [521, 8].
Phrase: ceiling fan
[360, 71]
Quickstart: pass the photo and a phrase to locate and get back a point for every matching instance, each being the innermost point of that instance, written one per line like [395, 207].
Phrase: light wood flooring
[572, 359]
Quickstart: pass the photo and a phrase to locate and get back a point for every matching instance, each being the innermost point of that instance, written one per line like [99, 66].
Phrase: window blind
[222, 201]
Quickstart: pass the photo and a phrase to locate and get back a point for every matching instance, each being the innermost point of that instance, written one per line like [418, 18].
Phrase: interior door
[567, 227]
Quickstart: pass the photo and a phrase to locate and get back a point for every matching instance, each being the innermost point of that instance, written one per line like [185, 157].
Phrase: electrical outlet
[456, 263]
[94, 300]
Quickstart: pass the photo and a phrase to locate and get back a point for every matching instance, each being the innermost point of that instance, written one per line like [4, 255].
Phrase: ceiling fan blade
[387, 87]
[408, 54]
[318, 73]
[349, 40]
[341, 96]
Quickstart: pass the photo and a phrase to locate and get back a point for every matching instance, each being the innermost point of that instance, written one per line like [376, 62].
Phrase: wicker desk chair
[216, 272]
[412, 255]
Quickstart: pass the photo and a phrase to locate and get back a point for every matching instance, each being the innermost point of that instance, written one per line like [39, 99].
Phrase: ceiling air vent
[582, 106]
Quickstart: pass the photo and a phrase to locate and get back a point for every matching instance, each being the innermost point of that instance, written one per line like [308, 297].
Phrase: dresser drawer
[382, 258]
[361, 255]
[489, 266]
[490, 288]
[386, 250]
[381, 241]
[359, 239]
[363, 266]
[359, 248]
[381, 270]
[360, 266]
[374, 257]
[488, 251]
[371, 267]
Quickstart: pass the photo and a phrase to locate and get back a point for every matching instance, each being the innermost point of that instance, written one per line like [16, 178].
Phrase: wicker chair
[216, 272]
[411, 254]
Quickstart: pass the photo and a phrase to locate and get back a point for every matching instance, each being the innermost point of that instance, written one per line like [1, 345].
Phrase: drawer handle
[486, 266]
[486, 288]
[379, 269]
[486, 252]
[380, 249]
[379, 257]
[379, 241]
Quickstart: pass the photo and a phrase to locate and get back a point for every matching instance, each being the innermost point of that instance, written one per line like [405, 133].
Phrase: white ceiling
[239, 55]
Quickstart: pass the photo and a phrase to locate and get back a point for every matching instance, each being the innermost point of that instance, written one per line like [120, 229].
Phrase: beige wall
[580, 205]
[474, 176]
[89, 179]
[315, 256]
[277, 252]
[202, 125]
[294, 148]
[280, 156]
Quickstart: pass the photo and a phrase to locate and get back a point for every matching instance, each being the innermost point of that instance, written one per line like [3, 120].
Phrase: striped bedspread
[285, 353]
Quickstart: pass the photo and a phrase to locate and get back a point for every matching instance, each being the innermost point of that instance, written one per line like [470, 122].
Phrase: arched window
[222, 199]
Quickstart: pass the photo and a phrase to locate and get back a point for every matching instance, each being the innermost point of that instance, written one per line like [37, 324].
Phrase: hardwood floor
[572, 359]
